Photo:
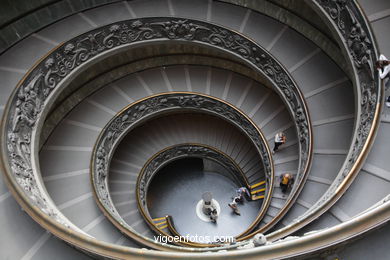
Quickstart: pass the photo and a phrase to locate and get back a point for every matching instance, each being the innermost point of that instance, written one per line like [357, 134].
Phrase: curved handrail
[171, 226]
[178, 151]
[169, 154]
[37, 91]
[354, 34]
[149, 107]
[367, 220]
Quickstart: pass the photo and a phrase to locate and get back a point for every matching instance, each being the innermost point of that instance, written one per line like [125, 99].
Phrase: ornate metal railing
[20, 173]
[36, 93]
[353, 32]
[179, 151]
[150, 107]
[169, 154]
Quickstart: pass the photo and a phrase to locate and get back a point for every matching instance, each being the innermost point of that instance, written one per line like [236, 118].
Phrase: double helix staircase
[297, 36]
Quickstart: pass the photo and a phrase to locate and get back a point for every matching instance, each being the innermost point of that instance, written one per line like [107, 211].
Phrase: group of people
[239, 198]
[286, 182]
[383, 66]
[286, 179]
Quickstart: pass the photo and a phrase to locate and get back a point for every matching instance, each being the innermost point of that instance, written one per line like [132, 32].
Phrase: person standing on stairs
[286, 180]
[280, 138]
[383, 66]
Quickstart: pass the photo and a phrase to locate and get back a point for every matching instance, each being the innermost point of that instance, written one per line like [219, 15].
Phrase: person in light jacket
[280, 138]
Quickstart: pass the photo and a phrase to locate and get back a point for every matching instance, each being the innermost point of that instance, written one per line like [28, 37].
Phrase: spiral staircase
[99, 97]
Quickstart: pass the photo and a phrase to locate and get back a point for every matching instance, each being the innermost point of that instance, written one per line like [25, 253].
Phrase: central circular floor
[177, 189]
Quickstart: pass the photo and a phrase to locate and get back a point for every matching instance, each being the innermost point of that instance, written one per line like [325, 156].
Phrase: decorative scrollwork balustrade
[176, 152]
[169, 154]
[162, 158]
[150, 107]
[36, 93]
[353, 32]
